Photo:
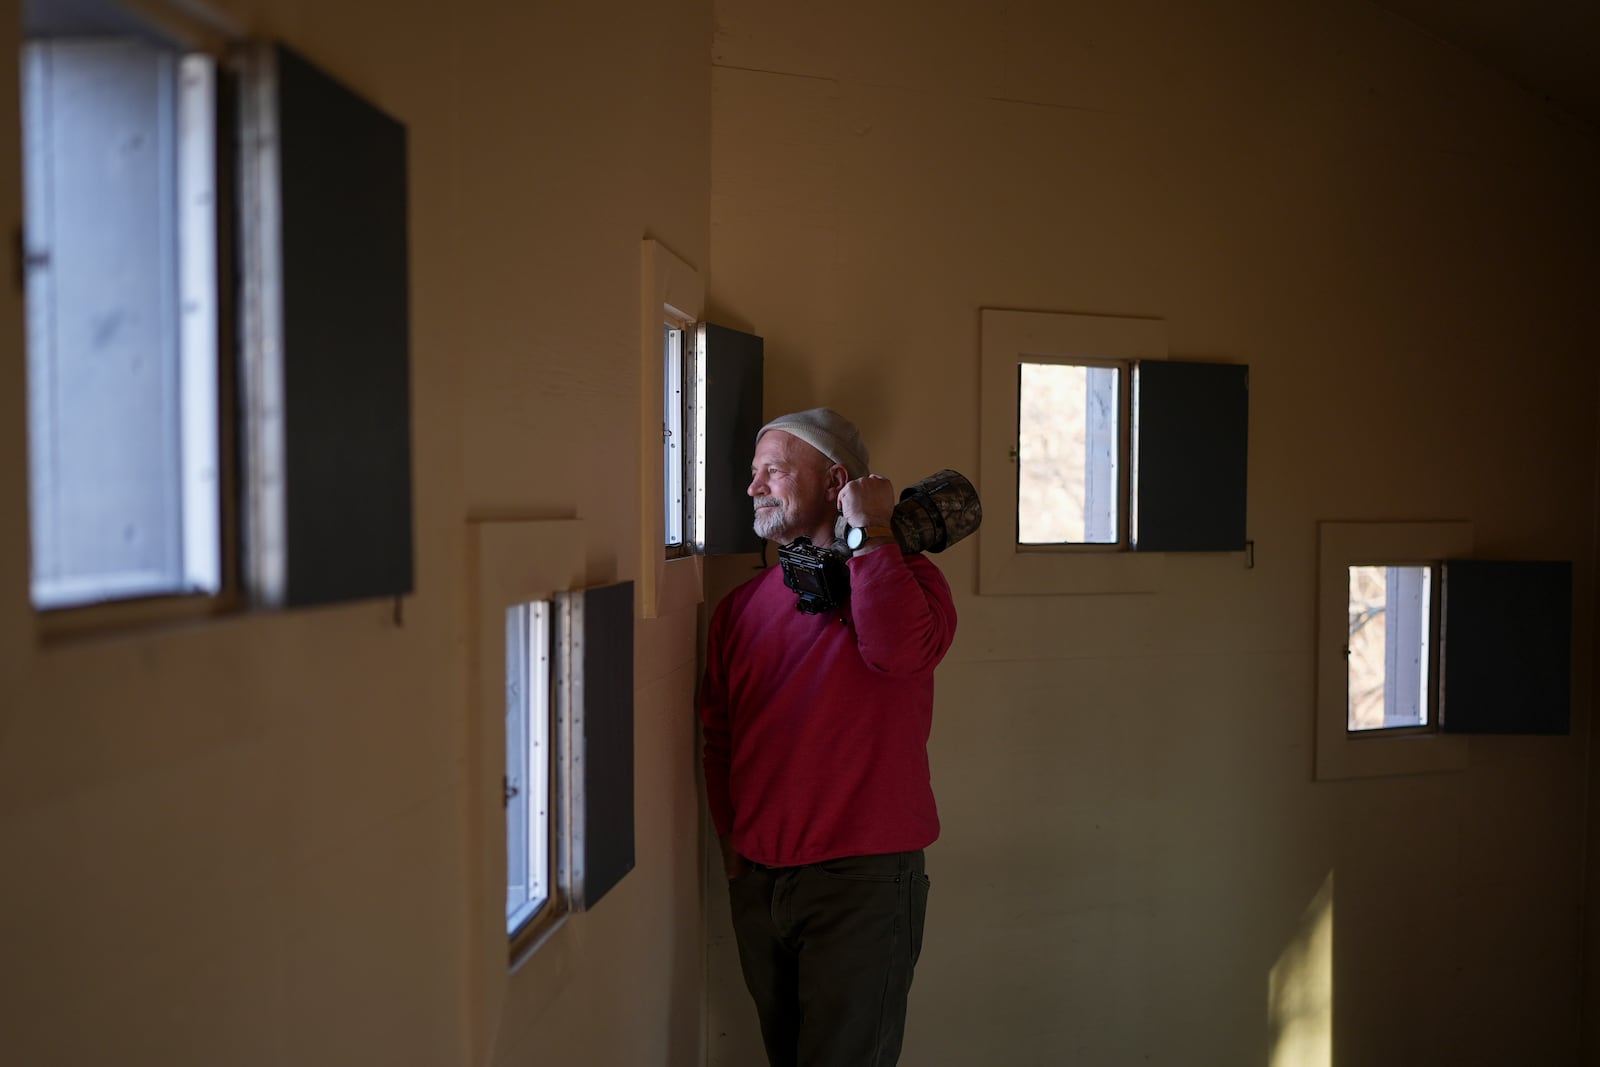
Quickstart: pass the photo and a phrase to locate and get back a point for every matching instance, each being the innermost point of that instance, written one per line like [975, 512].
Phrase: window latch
[509, 790]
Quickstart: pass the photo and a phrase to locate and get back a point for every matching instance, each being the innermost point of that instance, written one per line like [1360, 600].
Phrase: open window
[701, 386]
[1098, 454]
[530, 763]
[568, 782]
[120, 157]
[1072, 454]
[554, 689]
[1419, 647]
[215, 259]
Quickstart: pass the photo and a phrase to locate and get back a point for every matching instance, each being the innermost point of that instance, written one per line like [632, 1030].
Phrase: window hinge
[508, 790]
[1011, 453]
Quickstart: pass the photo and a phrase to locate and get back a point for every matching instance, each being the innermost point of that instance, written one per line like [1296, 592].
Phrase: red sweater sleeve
[904, 615]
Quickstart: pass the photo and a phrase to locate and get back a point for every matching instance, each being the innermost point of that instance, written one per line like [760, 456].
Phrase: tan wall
[1403, 248]
[249, 842]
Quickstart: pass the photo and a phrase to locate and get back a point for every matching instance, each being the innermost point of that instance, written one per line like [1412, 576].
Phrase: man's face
[792, 490]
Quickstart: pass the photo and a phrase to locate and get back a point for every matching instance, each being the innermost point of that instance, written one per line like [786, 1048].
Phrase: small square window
[1098, 456]
[1389, 648]
[1380, 635]
[1070, 454]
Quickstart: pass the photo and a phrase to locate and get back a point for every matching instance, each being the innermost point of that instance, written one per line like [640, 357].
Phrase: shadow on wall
[1300, 990]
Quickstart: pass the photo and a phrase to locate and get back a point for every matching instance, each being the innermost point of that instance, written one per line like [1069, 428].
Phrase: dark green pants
[828, 951]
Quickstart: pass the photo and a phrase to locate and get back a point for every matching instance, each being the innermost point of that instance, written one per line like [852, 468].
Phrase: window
[529, 716]
[555, 678]
[1419, 646]
[120, 196]
[1097, 454]
[681, 459]
[568, 781]
[1389, 648]
[701, 407]
[1070, 458]
[146, 393]
[672, 295]
[1354, 660]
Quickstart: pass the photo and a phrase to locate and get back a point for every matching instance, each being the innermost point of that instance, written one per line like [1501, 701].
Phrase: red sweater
[816, 726]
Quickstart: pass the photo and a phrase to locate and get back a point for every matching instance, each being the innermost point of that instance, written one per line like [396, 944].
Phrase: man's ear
[838, 478]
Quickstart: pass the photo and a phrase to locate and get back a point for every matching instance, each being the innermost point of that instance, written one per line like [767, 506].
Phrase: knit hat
[828, 432]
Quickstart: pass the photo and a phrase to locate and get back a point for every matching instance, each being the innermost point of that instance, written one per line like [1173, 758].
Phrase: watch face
[854, 538]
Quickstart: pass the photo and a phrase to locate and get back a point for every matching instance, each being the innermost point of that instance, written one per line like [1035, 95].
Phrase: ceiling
[1550, 47]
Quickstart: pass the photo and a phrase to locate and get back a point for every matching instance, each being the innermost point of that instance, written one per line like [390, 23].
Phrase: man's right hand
[734, 864]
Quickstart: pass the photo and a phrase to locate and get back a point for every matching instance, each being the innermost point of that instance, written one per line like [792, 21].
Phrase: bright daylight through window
[673, 433]
[528, 762]
[1069, 454]
[120, 237]
[1388, 650]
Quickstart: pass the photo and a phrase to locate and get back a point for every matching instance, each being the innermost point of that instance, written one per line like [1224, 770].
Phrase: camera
[932, 515]
[817, 575]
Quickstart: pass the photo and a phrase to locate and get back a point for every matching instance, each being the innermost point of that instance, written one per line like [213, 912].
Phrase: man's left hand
[867, 501]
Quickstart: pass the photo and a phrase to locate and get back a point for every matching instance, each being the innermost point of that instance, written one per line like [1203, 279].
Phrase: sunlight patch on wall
[1300, 990]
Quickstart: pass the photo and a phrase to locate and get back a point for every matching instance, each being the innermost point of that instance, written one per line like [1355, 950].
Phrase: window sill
[141, 616]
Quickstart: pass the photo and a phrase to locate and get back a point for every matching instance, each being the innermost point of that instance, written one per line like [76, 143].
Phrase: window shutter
[1505, 654]
[325, 227]
[733, 366]
[1193, 421]
[599, 677]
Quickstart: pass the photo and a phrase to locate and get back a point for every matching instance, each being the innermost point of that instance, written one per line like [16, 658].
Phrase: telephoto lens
[936, 512]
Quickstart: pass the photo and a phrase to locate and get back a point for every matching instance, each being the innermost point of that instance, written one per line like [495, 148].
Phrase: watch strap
[868, 534]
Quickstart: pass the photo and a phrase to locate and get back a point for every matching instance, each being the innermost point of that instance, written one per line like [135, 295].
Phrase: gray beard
[772, 526]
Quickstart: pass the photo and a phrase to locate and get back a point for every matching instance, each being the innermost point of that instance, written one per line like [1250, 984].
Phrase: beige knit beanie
[828, 432]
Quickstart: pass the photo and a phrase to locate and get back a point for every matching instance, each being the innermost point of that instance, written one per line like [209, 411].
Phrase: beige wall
[251, 842]
[1403, 248]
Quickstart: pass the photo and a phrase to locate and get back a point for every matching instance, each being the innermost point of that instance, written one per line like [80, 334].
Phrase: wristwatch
[860, 535]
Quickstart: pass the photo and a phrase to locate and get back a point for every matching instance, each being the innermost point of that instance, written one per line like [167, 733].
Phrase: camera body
[817, 575]
[932, 515]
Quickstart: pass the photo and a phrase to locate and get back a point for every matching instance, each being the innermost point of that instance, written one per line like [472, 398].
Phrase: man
[816, 760]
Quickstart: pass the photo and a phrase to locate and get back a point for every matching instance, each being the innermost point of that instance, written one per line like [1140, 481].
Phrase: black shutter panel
[346, 341]
[733, 363]
[1193, 421]
[1506, 649]
[603, 621]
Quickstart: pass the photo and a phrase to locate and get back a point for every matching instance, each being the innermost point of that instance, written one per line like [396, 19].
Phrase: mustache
[765, 502]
